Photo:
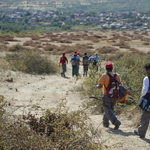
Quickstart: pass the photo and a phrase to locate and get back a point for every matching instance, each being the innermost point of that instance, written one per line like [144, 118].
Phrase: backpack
[113, 88]
[74, 61]
[85, 60]
[62, 60]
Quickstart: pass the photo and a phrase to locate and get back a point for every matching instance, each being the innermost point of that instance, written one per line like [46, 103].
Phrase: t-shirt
[96, 58]
[104, 80]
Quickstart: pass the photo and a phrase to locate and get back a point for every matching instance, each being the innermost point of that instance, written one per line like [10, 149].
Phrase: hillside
[79, 5]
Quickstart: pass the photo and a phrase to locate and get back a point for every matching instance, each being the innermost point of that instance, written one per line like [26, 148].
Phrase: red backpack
[62, 60]
[112, 89]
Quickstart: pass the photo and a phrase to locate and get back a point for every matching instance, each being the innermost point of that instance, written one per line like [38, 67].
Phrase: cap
[78, 53]
[109, 65]
[75, 54]
[75, 51]
[64, 53]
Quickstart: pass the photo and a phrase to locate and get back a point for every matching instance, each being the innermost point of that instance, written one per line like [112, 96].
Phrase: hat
[64, 53]
[75, 51]
[75, 54]
[78, 53]
[109, 65]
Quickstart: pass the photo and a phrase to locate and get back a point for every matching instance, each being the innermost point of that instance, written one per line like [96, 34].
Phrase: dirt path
[28, 90]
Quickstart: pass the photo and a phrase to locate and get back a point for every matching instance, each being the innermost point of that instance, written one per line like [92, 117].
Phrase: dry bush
[107, 49]
[3, 47]
[56, 129]
[145, 33]
[35, 37]
[146, 43]
[44, 41]
[134, 51]
[122, 44]
[6, 38]
[21, 35]
[91, 33]
[29, 43]
[50, 47]
[16, 48]
[94, 39]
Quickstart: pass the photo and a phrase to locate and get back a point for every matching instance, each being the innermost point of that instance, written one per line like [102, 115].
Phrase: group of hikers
[111, 82]
[75, 60]
[113, 90]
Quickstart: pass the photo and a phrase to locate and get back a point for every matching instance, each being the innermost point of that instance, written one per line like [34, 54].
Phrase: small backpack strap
[109, 75]
[149, 81]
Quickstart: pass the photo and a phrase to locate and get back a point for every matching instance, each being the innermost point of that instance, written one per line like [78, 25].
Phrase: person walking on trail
[109, 101]
[78, 58]
[91, 58]
[95, 62]
[74, 61]
[145, 117]
[63, 61]
[85, 64]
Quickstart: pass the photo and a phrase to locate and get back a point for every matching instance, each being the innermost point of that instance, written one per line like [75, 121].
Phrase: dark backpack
[112, 89]
[85, 60]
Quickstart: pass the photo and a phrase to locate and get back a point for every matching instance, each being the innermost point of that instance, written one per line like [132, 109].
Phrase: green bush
[30, 61]
[130, 67]
[131, 70]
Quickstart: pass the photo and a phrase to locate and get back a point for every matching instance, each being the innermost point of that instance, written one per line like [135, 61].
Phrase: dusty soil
[26, 91]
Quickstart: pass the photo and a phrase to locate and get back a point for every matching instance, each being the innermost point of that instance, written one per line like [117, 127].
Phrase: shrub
[130, 68]
[56, 129]
[16, 48]
[107, 49]
[30, 61]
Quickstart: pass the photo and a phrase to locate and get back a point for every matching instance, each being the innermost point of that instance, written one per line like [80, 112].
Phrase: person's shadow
[66, 77]
[113, 131]
[119, 131]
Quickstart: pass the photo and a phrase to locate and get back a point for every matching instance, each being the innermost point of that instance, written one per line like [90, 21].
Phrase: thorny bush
[56, 129]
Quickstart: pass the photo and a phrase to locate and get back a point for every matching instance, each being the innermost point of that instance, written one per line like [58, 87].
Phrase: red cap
[109, 65]
[64, 53]
[78, 53]
[75, 51]
[75, 54]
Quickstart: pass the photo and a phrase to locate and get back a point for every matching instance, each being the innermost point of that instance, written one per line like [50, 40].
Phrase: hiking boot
[61, 74]
[137, 133]
[117, 126]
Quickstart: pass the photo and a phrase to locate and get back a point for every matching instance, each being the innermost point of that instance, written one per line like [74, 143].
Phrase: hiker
[78, 58]
[74, 61]
[63, 61]
[95, 62]
[85, 64]
[91, 58]
[109, 100]
[145, 117]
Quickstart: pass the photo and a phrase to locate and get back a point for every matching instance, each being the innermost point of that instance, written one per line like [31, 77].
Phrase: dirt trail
[27, 90]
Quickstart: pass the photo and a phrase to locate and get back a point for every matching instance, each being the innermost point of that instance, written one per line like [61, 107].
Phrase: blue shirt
[91, 59]
[96, 58]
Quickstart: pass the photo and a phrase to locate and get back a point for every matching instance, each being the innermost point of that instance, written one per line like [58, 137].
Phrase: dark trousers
[142, 129]
[74, 70]
[108, 104]
[85, 69]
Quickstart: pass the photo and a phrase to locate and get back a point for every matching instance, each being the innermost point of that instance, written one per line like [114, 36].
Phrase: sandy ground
[46, 90]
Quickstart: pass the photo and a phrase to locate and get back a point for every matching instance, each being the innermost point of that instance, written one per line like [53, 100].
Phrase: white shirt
[145, 86]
